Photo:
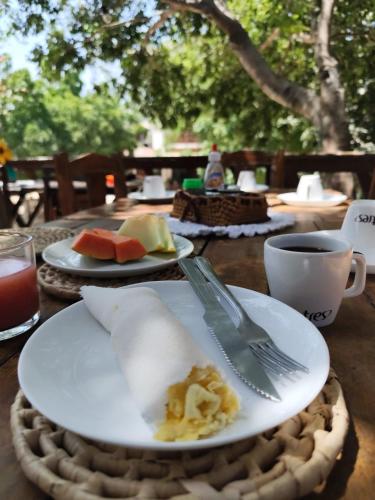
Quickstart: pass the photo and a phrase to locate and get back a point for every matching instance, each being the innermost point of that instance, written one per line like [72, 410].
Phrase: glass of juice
[19, 300]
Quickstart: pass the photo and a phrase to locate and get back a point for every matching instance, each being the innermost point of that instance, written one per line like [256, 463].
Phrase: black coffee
[306, 249]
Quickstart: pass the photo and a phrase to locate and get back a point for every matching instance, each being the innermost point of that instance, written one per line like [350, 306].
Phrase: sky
[20, 50]
[20, 53]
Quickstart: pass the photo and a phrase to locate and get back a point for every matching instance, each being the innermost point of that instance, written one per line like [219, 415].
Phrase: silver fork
[259, 341]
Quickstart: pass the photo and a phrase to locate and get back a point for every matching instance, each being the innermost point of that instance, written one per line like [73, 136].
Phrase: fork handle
[205, 267]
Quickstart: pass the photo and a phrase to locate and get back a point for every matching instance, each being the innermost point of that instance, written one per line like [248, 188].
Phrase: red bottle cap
[214, 147]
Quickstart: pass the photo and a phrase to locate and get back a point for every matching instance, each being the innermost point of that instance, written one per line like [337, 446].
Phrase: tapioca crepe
[175, 386]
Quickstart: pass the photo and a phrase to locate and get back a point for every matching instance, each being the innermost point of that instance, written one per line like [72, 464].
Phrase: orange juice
[19, 299]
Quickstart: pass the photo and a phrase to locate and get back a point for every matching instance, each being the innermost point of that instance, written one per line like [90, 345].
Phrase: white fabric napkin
[153, 348]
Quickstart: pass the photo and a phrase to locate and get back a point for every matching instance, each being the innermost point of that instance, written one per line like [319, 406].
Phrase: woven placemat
[44, 236]
[67, 286]
[286, 462]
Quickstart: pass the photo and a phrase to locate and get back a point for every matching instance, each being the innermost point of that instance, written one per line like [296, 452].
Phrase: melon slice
[96, 243]
[169, 245]
[127, 248]
[152, 231]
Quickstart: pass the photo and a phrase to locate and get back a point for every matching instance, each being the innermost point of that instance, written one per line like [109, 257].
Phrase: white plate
[369, 256]
[329, 200]
[139, 196]
[260, 188]
[61, 256]
[69, 372]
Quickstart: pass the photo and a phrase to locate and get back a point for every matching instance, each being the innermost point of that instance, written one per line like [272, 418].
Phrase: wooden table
[240, 262]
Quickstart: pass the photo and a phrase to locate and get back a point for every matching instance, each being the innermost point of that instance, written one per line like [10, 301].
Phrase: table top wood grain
[351, 341]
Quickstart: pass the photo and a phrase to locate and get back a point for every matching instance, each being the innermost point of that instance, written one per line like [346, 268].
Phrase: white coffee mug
[312, 282]
[246, 180]
[310, 187]
[153, 186]
[359, 226]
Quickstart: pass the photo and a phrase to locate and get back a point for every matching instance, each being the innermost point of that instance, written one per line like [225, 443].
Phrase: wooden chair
[38, 170]
[186, 166]
[248, 160]
[5, 219]
[286, 167]
[149, 164]
[93, 168]
[371, 193]
[180, 166]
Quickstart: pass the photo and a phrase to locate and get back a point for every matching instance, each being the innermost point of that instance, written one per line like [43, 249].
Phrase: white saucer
[336, 233]
[139, 196]
[328, 200]
[259, 188]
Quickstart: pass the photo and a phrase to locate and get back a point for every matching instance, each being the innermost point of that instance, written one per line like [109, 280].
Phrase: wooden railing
[281, 171]
[287, 166]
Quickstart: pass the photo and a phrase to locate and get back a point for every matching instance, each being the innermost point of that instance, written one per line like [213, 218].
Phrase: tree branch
[334, 128]
[119, 24]
[366, 32]
[307, 38]
[290, 95]
[158, 24]
[323, 33]
[269, 40]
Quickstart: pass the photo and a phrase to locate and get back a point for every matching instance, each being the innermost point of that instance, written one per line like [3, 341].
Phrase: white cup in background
[153, 186]
[246, 181]
[313, 283]
[359, 226]
[310, 187]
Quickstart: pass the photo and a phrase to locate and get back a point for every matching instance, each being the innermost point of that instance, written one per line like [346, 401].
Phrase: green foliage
[353, 42]
[40, 118]
[186, 76]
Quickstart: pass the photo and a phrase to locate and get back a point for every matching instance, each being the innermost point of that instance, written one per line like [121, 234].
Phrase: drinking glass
[19, 300]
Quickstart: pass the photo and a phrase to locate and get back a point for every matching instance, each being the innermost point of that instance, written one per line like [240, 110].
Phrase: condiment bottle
[214, 175]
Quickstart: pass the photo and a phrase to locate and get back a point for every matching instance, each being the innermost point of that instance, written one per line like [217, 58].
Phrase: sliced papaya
[106, 245]
[96, 243]
[128, 248]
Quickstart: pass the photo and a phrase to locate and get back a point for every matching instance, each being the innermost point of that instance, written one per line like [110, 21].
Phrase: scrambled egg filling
[197, 407]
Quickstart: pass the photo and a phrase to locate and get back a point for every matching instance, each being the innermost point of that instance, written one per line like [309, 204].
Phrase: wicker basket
[220, 210]
[283, 463]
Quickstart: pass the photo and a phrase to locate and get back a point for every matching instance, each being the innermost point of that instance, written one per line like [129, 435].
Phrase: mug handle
[359, 278]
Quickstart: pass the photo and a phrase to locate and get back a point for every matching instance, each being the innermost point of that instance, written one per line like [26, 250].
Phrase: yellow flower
[5, 152]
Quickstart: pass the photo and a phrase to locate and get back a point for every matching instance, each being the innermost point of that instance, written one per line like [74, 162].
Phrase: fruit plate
[61, 256]
[69, 371]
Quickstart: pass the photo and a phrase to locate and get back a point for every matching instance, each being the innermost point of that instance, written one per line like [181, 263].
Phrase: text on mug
[367, 219]
[317, 316]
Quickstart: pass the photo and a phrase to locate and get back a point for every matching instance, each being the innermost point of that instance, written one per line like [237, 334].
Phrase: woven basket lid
[67, 286]
[286, 462]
